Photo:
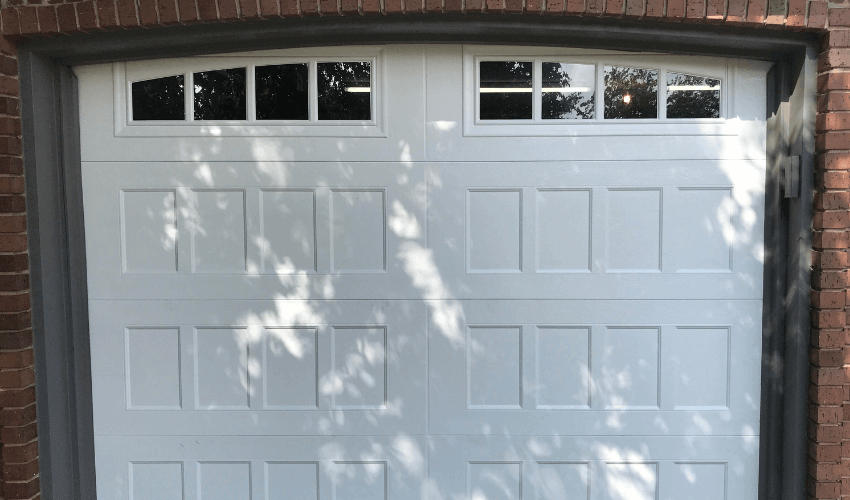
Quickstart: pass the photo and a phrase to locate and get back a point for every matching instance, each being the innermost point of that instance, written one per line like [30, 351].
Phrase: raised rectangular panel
[494, 231]
[697, 481]
[630, 481]
[697, 359]
[290, 363]
[224, 481]
[292, 480]
[563, 230]
[358, 231]
[153, 368]
[360, 370]
[704, 231]
[148, 231]
[218, 235]
[156, 481]
[365, 480]
[494, 481]
[633, 230]
[221, 368]
[563, 367]
[561, 481]
[494, 364]
[628, 377]
[288, 231]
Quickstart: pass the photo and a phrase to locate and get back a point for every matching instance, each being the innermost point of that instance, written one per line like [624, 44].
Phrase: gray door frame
[49, 105]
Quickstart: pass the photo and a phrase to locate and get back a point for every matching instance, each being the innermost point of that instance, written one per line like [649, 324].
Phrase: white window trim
[724, 70]
[124, 74]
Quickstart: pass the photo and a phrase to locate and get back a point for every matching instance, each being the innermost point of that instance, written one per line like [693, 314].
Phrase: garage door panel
[286, 367]
[596, 368]
[256, 468]
[598, 230]
[609, 468]
[247, 230]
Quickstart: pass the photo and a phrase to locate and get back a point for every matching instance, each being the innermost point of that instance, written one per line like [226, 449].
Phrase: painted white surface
[425, 306]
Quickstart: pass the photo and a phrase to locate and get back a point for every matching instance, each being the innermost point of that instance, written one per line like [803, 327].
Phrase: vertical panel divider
[537, 89]
[189, 95]
[665, 384]
[253, 240]
[324, 367]
[184, 201]
[528, 367]
[313, 91]
[191, 480]
[323, 230]
[595, 369]
[528, 230]
[598, 213]
[250, 93]
[258, 480]
[187, 366]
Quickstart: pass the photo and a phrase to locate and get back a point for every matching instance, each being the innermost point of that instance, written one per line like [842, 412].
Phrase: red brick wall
[829, 415]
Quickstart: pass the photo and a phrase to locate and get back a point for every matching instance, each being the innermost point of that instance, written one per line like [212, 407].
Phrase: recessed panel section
[494, 231]
[494, 364]
[630, 92]
[221, 369]
[218, 236]
[568, 91]
[345, 90]
[289, 231]
[159, 99]
[149, 232]
[628, 377]
[153, 368]
[360, 370]
[494, 481]
[697, 360]
[698, 481]
[292, 480]
[505, 90]
[281, 91]
[220, 94]
[224, 481]
[156, 481]
[358, 231]
[630, 481]
[563, 367]
[563, 230]
[290, 361]
[690, 96]
[633, 230]
[705, 231]
[561, 481]
[359, 480]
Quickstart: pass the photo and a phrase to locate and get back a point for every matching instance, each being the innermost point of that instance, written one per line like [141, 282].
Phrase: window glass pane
[220, 94]
[568, 91]
[159, 99]
[631, 92]
[282, 92]
[345, 90]
[691, 96]
[505, 92]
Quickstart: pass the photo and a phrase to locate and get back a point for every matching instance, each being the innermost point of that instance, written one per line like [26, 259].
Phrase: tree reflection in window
[345, 90]
[159, 99]
[691, 96]
[220, 94]
[505, 92]
[568, 91]
[631, 92]
[282, 92]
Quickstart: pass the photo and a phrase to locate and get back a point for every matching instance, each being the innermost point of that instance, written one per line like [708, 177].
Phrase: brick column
[18, 444]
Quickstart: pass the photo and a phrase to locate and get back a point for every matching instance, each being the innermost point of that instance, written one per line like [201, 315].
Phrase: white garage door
[425, 272]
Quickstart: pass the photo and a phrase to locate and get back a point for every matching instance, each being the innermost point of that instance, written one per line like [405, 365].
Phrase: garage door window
[159, 99]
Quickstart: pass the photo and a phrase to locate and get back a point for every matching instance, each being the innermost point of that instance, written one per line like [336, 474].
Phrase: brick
[834, 58]
[147, 13]
[821, 299]
[250, 10]
[832, 140]
[826, 414]
[13, 224]
[512, 6]
[207, 10]
[16, 360]
[695, 10]
[756, 12]
[830, 239]
[834, 101]
[634, 8]
[66, 16]
[14, 263]
[11, 185]
[474, 5]
[615, 8]
[826, 376]
[17, 398]
[168, 12]
[827, 358]
[829, 279]
[10, 165]
[372, 6]
[534, 6]
[736, 12]
[15, 302]
[796, 13]
[10, 204]
[268, 8]
[15, 341]
[839, 17]
[29, 20]
[833, 121]
[835, 38]
[86, 16]
[714, 10]
[450, 5]
[824, 452]
[10, 105]
[817, 15]
[593, 6]
[10, 21]
[20, 472]
[828, 318]
[328, 7]
[395, 7]
[227, 10]
[832, 179]
[46, 20]
[654, 8]
[827, 339]
[15, 321]
[22, 490]
[830, 220]
[824, 433]
[825, 396]
[558, 6]
[107, 14]
[833, 160]
[128, 16]
[822, 490]
[494, 6]
[10, 379]
[675, 9]
[832, 201]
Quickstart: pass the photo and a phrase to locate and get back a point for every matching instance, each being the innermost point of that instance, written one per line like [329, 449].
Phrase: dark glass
[159, 99]
[631, 92]
[568, 91]
[282, 92]
[220, 94]
[505, 92]
[345, 90]
[691, 96]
